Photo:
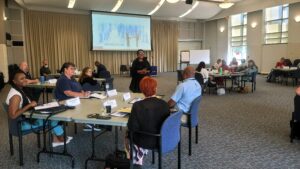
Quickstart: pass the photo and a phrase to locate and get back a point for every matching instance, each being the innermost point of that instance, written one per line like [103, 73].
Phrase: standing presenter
[140, 68]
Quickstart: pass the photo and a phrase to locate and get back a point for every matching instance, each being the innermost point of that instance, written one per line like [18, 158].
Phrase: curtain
[67, 37]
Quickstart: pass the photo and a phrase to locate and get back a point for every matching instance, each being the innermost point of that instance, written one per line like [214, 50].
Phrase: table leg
[93, 156]
[116, 138]
[44, 150]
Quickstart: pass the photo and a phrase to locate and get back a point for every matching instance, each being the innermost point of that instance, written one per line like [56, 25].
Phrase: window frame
[281, 20]
[242, 43]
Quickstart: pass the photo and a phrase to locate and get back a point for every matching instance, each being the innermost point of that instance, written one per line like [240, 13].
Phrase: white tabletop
[90, 106]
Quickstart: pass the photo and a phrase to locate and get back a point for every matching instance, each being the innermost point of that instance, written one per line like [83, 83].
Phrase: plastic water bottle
[221, 71]
[106, 88]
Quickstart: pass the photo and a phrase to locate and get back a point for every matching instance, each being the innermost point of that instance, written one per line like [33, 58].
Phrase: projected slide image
[121, 32]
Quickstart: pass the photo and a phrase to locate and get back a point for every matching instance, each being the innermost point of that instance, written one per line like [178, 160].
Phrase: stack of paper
[47, 106]
[98, 96]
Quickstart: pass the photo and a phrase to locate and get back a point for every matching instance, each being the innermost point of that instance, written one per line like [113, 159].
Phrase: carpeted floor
[235, 131]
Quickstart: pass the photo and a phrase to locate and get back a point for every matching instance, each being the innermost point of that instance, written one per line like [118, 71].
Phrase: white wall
[190, 36]
[255, 37]
[211, 39]
[293, 50]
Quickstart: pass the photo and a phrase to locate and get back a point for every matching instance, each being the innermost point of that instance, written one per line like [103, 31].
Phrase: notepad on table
[125, 110]
[135, 100]
[119, 114]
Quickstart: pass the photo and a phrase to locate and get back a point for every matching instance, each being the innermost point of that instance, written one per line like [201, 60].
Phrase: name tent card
[126, 96]
[112, 103]
[111, 93]
[73, 102]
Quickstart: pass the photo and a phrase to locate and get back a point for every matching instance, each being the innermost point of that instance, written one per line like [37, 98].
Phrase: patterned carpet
[236, 131]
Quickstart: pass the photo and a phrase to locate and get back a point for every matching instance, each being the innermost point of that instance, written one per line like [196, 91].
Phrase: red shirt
[279, 65]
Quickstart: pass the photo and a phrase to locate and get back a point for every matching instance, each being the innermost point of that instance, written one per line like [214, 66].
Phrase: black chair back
[296, 62]
[179, 76]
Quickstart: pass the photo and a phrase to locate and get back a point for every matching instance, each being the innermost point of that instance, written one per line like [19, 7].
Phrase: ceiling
[204, 10]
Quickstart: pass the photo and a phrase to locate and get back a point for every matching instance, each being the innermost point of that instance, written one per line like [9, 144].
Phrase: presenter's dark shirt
[297, 108]
[63, 84]
[136, 77]
[147, 115]
[45, 70]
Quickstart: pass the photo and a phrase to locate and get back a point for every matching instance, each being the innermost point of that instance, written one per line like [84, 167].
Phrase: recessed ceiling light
[226, 5]
[190, 10]
[297, 18]
[172, 1]
[161, 2]
[71, 3]
[117, 6]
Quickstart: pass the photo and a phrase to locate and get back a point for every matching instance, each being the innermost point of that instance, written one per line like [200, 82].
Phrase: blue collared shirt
[63, 84]
[185, 93]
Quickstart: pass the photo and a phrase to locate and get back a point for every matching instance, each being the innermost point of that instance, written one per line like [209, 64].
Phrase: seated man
[275, 73]
[185, 92]
[100, 68]
[280, 63]
[66, 86]
[23, 66]
[33, 93]
[44, 70]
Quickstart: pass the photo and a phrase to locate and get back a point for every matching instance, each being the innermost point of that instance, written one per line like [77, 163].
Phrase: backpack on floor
[118, 160]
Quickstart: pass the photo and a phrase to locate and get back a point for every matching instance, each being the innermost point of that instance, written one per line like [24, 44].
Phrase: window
[276, 24]
[238, 37]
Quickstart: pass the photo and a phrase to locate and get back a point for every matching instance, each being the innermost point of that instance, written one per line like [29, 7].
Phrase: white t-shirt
[205, 74]
[12, 92]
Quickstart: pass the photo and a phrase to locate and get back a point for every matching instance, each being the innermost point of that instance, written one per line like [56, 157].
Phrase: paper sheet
[98, 96]
[47, 105]
[119, 114]
[135, 100]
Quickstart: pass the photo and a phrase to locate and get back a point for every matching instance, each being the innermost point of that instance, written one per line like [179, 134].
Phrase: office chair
[169, 139]
[14, 129]
[192, 121]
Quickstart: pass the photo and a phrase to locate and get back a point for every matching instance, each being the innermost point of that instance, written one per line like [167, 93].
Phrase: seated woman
[18, 103]
[234, 62]
[252, 68]
[201, 70]
[86, 77]
[218, 64]
[66, 86]
[146, 115]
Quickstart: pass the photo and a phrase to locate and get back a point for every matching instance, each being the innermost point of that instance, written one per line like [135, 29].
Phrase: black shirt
[89, 80]
[148, 115]
[45, 70]
[136, 77]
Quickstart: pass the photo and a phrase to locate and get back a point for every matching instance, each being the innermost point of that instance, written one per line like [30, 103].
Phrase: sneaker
[56, 144]
[88, 127]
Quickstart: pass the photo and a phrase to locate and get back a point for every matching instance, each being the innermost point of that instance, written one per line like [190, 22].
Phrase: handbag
[117, 160]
